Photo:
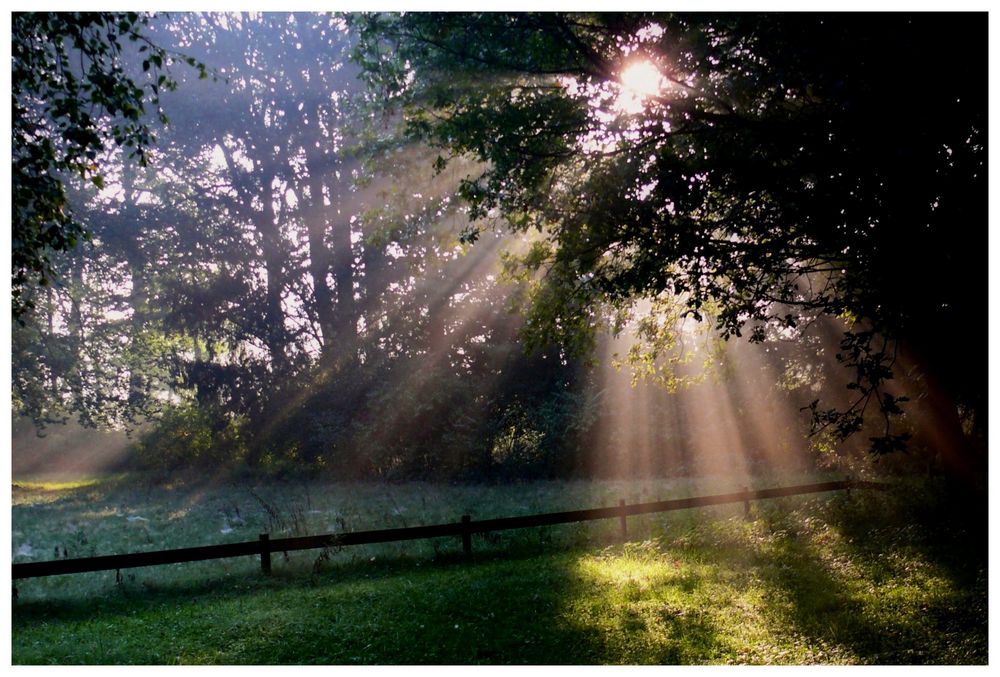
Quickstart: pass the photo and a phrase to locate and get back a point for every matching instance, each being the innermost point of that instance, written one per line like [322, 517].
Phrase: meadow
[895, 577]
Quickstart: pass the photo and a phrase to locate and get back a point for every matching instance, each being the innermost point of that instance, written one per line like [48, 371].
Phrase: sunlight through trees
[487, 245]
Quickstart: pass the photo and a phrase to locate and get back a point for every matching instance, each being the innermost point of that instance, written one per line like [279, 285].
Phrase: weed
[291, 519]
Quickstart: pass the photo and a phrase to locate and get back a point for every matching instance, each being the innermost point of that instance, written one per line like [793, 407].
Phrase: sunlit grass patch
[28, 492]
[57, 486]
[789, 587]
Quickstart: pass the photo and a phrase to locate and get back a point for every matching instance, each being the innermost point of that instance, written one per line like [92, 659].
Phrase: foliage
[73, 92]
[189, 437]
[758, 181]
[287, 279]
[307, 294]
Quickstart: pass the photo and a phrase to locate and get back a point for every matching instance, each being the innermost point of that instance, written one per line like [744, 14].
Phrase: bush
[188, 436]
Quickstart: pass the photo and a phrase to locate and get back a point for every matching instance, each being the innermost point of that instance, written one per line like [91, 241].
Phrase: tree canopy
[283, 284]
[782, 166]
[305, 270]
[74, 90]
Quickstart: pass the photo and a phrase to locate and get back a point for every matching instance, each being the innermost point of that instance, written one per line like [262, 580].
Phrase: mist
[294, 282]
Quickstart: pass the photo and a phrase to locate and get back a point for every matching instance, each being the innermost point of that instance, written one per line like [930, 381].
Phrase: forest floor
[895, 577]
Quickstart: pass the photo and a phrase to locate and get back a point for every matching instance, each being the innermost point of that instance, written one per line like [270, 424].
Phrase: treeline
[287, 285]
[284, 284]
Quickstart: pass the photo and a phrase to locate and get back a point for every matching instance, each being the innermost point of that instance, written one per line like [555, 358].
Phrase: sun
[642, 78]
[639, 80]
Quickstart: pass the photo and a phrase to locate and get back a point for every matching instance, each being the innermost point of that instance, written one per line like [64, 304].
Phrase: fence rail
[265, 545]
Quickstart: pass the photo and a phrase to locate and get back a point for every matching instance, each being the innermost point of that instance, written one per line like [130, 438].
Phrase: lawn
[874, 577]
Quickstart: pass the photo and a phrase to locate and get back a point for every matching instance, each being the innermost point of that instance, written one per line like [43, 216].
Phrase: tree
[73, 91]
[281, 284]
[775, 169]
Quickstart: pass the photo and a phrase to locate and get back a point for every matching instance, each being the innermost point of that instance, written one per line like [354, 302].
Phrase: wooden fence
[265, 545]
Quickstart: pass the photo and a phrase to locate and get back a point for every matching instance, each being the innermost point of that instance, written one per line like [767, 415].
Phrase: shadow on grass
[901, 579]
[495, 608]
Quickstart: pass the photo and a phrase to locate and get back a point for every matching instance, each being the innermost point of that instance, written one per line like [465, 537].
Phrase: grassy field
[888, 578]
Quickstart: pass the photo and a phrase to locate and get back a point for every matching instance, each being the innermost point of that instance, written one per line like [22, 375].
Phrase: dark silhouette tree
[784, 166]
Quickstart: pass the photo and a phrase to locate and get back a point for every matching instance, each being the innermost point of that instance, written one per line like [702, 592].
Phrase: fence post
[622, 520]
[466, 535]
[265, 554]
[746, 504]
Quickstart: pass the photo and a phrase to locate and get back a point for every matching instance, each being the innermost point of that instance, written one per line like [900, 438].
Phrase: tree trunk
[346, 323]
[960, 456]
[320, 259]
[274, 258]
[139, 296]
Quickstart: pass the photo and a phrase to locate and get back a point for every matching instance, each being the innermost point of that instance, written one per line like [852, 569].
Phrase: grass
[887, 578]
